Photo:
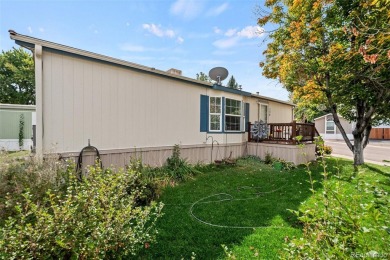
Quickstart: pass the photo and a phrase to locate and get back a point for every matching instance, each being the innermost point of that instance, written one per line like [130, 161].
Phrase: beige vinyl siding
[320, 125]
[117, 107]
[346, 125]
[277, 112]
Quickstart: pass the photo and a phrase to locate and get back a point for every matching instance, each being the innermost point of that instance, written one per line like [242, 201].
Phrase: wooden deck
[286, 133]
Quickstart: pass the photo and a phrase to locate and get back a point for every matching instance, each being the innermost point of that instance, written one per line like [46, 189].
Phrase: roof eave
[273, 99]
[29, 42]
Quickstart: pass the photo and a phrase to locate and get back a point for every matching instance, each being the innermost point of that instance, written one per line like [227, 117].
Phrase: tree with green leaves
[17, 80]
[232, 83]
[336, 53]
[203, 77]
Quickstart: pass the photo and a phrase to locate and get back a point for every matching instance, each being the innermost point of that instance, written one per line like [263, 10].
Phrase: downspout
[38, 98]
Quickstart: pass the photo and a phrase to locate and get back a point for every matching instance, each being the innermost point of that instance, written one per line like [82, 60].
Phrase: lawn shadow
[227, 205]
[342, 169]
[379, 171]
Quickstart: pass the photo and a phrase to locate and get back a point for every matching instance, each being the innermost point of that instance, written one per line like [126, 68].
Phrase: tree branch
[333, 109]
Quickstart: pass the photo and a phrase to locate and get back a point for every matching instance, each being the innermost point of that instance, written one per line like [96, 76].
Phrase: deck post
[313, 132]
[294, 131]
[249, 131]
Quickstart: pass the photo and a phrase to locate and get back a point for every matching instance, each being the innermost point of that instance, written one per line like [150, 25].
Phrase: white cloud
[226, 43]
[217, 30]
[233, 36]
[41, 29]
[127, 24]
[154, 29]
[30, 29]
[158, 31]
[187, 9]
[251, 32]
[170, 33]
[218, 10]
[180, 40]
[230, 32]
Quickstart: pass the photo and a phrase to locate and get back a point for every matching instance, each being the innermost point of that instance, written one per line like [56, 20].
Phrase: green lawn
[243, 207]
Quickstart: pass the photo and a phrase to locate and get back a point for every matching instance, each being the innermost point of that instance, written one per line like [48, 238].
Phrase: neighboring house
[10, 126]
[125, 109]
[328, 129]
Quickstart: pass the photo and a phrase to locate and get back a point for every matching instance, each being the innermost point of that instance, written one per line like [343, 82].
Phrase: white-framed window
[233, 115]
[330, 127]
[215, 117]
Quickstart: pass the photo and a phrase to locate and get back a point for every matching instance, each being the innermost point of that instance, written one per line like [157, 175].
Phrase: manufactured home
[125, 110]
[16, 127]
[328, 129]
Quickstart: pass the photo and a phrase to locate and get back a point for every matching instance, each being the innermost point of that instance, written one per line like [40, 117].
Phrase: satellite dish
[218, 74]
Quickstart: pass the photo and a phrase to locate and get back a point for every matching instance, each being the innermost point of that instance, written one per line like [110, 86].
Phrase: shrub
[288, 166]
[96, 218]
[327, 149]
[177, 167]
[346, 219]
[21, 131]
[20, 172]
[154, 179]
[321, 148]
[268, 158]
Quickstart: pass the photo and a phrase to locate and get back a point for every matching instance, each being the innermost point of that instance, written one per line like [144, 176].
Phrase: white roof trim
[273, 99]
[327, 115]
[17, 106]
[322, 116]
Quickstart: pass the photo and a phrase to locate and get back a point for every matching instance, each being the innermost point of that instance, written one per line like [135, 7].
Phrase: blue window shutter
[246, 116]
[204, 113]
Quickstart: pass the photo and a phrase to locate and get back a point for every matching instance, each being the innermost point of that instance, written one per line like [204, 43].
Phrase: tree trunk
[358, 144]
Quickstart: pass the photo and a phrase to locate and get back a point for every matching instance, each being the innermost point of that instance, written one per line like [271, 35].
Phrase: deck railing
[286, 133]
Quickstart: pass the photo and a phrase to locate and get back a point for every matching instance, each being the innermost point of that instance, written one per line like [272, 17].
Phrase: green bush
[321, 147]
[154, 179]
[93, 219]
[20, 172]
[177, 167]
[347, 219]
[268, 158]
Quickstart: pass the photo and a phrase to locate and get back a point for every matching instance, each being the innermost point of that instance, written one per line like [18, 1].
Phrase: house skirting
[290, 153]
[203, 153]
[157, 156]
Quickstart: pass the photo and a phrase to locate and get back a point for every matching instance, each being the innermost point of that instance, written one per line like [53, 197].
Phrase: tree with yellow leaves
[337, 53]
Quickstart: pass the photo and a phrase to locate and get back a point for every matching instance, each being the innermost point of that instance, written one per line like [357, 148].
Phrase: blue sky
[190, 35]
